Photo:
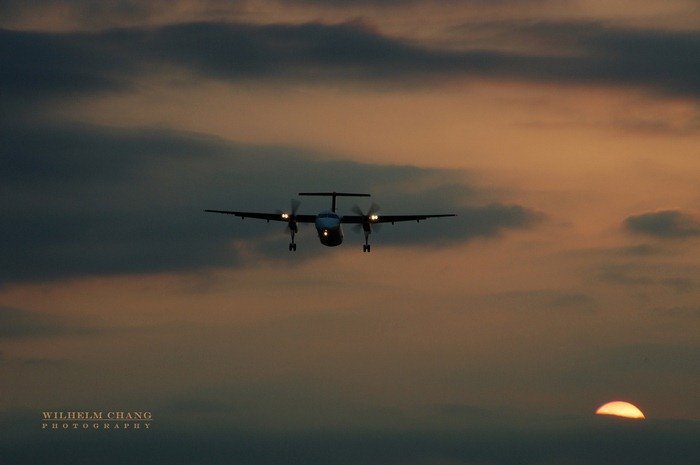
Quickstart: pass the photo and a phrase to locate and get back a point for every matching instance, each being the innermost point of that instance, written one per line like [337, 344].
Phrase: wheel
[368, 249]
[294, 247]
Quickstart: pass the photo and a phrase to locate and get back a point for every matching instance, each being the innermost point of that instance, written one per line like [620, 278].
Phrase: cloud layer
[603, 442]
[664, 224]
[494, 347]
[20, 323]
[91, 200]
[36, 64]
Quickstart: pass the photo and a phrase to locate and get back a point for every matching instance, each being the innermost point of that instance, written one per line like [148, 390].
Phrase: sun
[620, 408]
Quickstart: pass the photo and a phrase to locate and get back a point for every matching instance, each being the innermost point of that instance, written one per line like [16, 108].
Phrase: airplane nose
[327, 223]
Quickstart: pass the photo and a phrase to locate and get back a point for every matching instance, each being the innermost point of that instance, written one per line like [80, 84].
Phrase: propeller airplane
[328, 222]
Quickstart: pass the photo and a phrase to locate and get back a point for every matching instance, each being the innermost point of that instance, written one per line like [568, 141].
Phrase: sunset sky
[565, 136]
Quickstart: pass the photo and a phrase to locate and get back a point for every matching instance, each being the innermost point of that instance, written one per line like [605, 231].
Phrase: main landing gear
[366, 247]
[292, 245]
[292, 223]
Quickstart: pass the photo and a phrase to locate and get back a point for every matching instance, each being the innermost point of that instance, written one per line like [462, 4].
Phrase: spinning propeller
[291, 219]
[368, 220]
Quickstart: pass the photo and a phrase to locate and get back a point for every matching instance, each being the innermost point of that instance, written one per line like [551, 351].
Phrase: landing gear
[292, 245]
[366, 247]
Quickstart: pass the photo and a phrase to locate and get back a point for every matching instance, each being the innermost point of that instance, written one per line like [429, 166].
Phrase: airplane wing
[389, 218]
[268, 216]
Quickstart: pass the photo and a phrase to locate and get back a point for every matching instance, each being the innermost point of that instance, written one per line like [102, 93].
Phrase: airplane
[328, 222]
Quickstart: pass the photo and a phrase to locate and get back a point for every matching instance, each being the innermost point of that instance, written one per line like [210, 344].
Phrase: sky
[564, 135]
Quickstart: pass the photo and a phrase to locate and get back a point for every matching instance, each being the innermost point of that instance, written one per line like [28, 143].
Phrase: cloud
[20, 323]
[489, 220]
[648, 274]
[37, 65]
[597, 440]
[545, 300]
[652, 358]
[641, 250]
[90, 14]
[678, 312]
[664, 224]
[640, 370]
[634, 252]
[92, 200]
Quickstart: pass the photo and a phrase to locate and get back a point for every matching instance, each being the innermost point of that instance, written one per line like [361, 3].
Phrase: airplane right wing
[373, 219]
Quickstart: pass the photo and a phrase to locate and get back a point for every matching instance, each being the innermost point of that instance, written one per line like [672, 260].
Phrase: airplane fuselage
[328, 228]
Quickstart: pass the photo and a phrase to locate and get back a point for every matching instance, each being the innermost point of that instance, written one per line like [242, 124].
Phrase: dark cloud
[597, 440]
[83, 9]
[678, 312]
[641, 250]
[633, 252]
[90, 13]
[646, 274]
[19, 323]
[469, 414]
[52, 64]
[91, 200]
[651, 358]
[403, 3]
[480, 221]
[664, 224]
[638, 371]
[684, 127]
[551, 301]
[37, 66]
[605, 54]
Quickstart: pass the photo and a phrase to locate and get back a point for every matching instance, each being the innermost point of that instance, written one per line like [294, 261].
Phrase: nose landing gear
[366, 247]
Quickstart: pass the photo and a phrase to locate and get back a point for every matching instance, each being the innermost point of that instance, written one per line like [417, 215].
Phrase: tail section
[334, 195]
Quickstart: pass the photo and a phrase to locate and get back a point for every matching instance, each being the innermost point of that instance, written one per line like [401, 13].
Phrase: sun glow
[619, 408]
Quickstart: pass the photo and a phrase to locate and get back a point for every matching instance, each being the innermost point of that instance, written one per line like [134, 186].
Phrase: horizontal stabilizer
[335, 194]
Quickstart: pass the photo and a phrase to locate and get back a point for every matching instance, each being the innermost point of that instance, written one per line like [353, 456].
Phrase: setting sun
[620, 409]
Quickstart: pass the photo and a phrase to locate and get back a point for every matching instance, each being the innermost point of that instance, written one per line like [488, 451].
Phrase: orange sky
[595, 299]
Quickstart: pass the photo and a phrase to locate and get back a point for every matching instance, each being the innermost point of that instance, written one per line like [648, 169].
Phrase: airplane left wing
[268, 216]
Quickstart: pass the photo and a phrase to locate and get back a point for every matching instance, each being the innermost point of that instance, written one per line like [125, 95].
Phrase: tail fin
[334, 195]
